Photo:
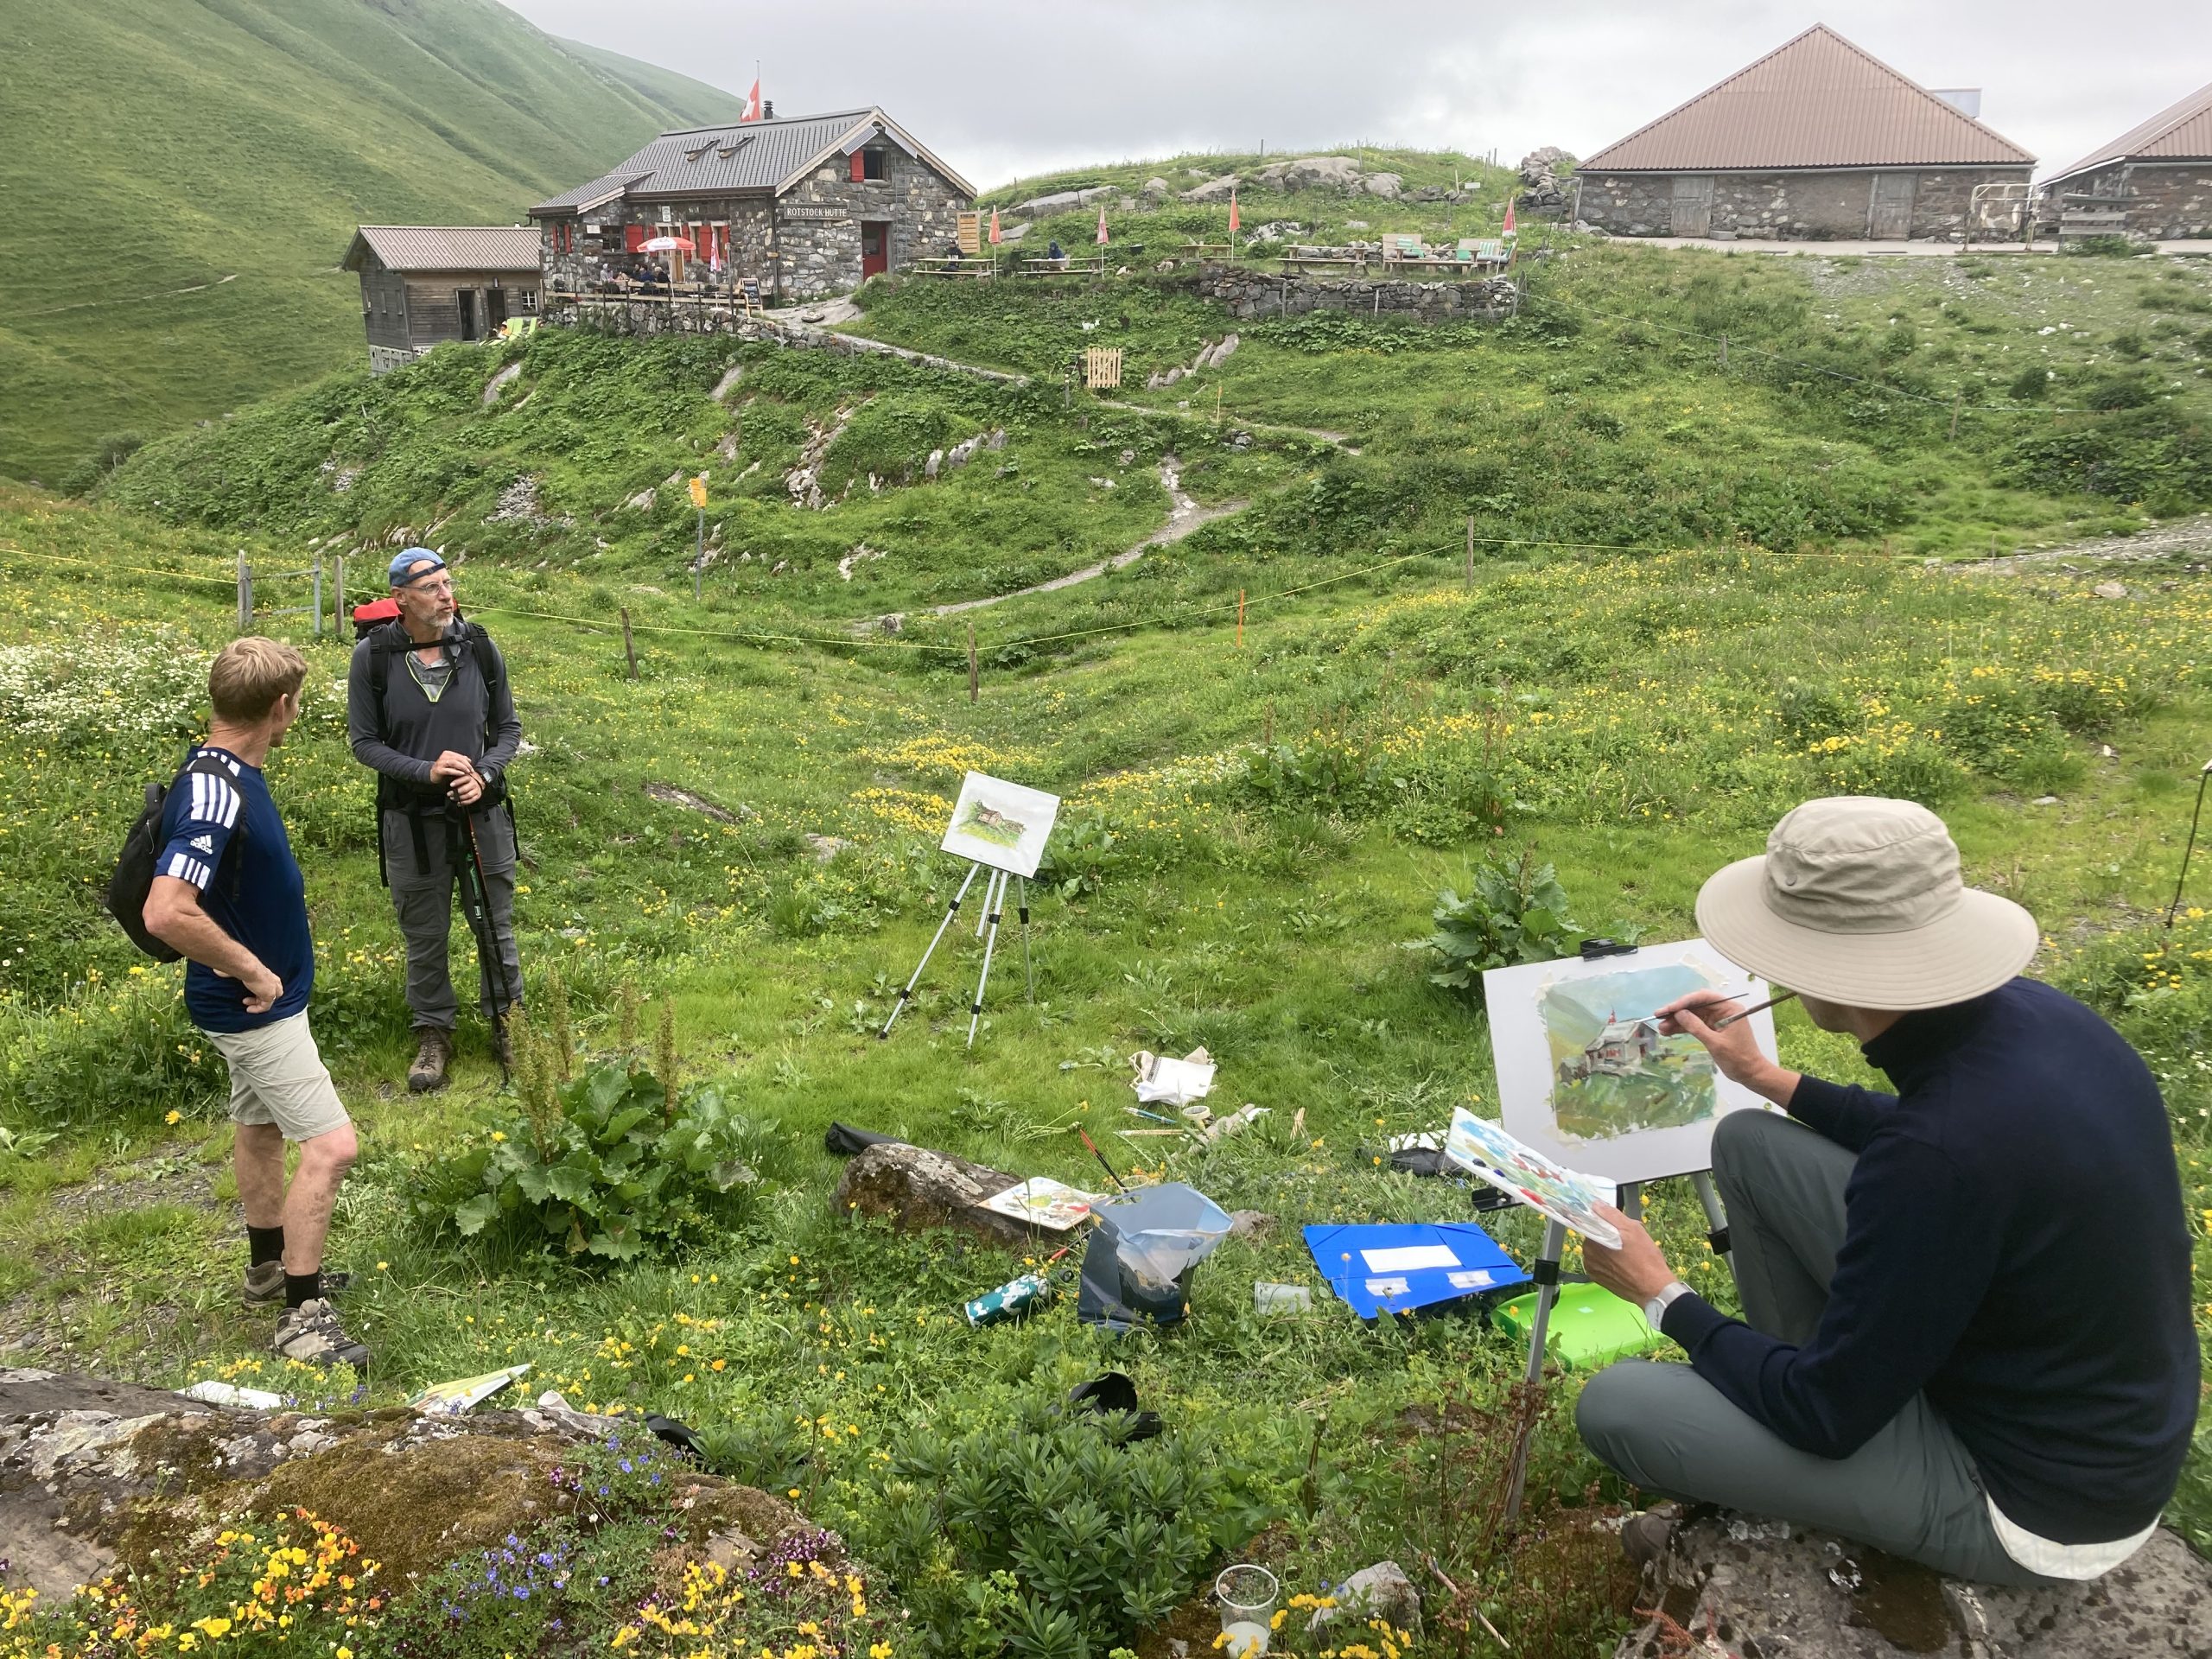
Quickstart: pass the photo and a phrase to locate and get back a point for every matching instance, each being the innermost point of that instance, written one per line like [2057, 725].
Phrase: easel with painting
[1592, 1094]
[1002, 828]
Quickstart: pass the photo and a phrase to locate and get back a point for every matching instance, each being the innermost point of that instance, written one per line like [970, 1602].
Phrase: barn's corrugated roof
[1814, 101]
[2180, 132]
[446, 247]
[750, 155]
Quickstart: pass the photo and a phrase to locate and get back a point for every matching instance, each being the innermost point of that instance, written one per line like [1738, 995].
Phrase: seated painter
[1967, 1339]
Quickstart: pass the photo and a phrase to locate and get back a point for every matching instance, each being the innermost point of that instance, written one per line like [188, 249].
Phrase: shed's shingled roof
[1815, 101]
[749, 155]
[2180, 132]
[446, 247]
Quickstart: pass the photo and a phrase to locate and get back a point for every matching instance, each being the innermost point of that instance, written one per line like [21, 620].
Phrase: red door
[876, 248]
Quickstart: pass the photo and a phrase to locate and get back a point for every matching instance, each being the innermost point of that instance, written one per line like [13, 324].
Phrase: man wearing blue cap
[429, 707]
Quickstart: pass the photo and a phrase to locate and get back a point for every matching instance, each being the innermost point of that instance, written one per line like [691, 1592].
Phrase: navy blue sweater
[2015, 1246]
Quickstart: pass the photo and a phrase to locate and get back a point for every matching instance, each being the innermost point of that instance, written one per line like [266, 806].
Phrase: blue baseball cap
[414, 562]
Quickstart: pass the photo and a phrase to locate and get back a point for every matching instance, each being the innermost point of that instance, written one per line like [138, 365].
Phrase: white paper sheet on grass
[1527, 1060]
[1407, 1258]
[1000, 824]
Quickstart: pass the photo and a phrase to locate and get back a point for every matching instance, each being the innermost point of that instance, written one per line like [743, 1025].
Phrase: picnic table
[977, 268]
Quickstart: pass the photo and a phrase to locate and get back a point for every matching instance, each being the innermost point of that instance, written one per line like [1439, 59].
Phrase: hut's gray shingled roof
[447, 247]
[761, 155]
[2180, 132]
[1816, 101]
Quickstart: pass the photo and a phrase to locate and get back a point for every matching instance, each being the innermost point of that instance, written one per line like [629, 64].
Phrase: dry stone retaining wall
[1252, 293]
[2167, 201]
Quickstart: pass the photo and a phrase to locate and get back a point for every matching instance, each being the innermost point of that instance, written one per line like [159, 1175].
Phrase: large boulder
[95, 1476]
[1540, 177]
[1059, 201]
[1213, 189]
[1761, 1591]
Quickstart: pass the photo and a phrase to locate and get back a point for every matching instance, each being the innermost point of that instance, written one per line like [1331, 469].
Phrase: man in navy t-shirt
[228, 894]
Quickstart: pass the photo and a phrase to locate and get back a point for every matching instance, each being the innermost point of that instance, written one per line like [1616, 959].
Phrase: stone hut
[1816, 139]
[806, 206]
[2158, 175]
[423, 285]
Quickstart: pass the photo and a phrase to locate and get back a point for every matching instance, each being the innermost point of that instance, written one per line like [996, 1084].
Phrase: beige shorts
[277, 1077]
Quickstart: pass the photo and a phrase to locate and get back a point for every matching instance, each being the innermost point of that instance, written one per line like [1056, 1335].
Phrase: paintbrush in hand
[1726, 1020]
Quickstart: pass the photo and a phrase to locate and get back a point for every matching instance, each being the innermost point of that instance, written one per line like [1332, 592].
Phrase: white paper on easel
[1586, 1076]
[1000, 824]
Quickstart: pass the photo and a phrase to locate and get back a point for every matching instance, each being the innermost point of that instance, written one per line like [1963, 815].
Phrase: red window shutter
[634, 238]
[859, 165]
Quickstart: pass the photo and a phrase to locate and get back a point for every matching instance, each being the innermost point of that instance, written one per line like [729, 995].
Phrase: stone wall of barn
[800, 245]
[2165, 200]
[1816, 205]
[1252, 293]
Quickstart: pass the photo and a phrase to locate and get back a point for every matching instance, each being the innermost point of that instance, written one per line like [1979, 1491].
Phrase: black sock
[264, 1245]
[302, 1288]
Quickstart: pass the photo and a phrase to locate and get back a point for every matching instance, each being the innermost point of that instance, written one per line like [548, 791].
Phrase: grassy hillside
[1257, 819]
[203, 163]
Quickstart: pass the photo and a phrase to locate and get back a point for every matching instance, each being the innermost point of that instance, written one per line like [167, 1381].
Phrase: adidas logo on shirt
[203, 844]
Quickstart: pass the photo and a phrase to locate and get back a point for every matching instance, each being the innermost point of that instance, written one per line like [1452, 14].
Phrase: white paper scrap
[1409, 1257]
[1386, 1287]
[1473, 1279]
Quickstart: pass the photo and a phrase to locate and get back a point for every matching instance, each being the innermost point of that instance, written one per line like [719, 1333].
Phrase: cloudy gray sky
[1009, 88]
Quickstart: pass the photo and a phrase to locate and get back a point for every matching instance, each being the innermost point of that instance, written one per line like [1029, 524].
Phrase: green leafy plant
[1515, 911]
[1056, 1539]
[613, 1164]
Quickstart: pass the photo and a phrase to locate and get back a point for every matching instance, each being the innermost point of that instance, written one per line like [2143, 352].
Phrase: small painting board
[1522, 1172]
[1584, 1075]
[1002, 825]
[1043, 1202]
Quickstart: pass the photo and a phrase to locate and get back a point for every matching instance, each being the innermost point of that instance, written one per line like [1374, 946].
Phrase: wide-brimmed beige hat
[1858, 900]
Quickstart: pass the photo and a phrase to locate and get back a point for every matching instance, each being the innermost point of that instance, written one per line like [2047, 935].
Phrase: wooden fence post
[318, 595]
[338, 599]
[974, 677]
[1240, 619]
[1957, 398]
[1471, 550]
[1724, 351]
[246, 594]
[629, 650]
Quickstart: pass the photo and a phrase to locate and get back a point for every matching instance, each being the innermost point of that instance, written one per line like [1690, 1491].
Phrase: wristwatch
[1656, 1309]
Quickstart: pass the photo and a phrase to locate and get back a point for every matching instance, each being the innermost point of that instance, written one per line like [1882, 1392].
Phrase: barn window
[528, 297]
[872, 163]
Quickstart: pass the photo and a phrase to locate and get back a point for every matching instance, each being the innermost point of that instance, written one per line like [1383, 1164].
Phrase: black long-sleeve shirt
[2014, 1245]
[473, 716]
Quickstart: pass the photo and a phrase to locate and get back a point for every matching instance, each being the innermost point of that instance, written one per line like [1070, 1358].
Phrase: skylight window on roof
[734, 145]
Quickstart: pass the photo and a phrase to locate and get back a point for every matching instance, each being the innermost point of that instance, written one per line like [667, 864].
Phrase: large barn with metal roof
[1816, 139]
[2156, 177]
[807, 206]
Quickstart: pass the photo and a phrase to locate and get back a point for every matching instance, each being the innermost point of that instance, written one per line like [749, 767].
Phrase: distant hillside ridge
[194, 169]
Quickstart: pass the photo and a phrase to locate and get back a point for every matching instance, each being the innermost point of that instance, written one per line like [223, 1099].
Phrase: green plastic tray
[1589, 1327]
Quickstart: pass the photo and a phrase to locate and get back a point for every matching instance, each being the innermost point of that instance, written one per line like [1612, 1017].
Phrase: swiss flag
[1233, 220]
[753, 102]
[994, 227]
[1102, 227]
[1509, 230]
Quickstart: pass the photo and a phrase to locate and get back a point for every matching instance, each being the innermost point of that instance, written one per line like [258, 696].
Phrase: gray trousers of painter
[423, 899]
[1912, 1490]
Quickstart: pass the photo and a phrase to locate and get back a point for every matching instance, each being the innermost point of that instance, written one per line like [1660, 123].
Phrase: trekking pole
[489, 957]
[2202, 777]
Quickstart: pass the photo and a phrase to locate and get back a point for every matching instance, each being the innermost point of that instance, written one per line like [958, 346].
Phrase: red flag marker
[1507, 230]
[994, 227]
[1102, 227]
[1234, 222]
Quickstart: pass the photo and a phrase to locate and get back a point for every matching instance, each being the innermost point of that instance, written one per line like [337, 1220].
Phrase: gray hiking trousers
[1912, 1490]
[423, 895]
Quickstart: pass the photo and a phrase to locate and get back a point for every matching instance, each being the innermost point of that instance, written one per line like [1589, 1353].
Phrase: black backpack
[133, 877]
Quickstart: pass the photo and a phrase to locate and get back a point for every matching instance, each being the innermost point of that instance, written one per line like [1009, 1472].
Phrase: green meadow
[1697, 594]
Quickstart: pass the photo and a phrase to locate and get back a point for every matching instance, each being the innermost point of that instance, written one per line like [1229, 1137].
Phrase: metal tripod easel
[987, 929]
[1544, 1270]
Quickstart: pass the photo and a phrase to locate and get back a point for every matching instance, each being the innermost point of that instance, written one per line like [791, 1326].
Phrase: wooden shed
[424, 284]
[1816, 139]
[2156, 179]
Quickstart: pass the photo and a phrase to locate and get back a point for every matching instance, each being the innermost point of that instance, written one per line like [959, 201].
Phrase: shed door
[1693, 204]
[465, 300]
[1889, 216]
[876, 248]
[495, 310]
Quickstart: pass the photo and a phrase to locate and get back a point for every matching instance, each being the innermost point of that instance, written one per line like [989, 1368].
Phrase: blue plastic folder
[1377, 1269]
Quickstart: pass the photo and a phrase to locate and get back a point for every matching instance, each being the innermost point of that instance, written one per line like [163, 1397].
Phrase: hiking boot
[431, 1058]
[311, 1334]
[265, 1284]
[1644, 1537]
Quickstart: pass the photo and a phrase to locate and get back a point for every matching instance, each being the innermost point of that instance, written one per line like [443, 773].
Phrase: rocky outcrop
[1760, 1590]
[1059, 201]
[95, 1476]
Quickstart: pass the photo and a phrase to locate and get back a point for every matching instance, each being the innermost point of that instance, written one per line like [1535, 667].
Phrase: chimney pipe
[768, 108]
